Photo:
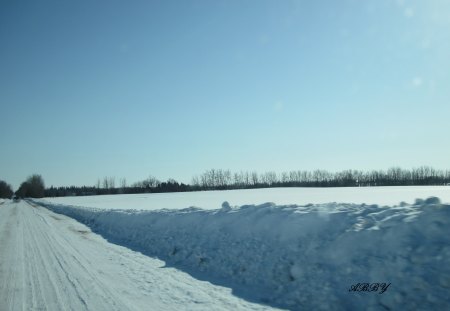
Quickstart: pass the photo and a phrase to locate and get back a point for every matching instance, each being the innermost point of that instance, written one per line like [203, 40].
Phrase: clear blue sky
[172, 88]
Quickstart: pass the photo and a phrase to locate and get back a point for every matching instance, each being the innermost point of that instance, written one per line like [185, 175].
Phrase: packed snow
[337, 256]
[52, 262]
[280, 196]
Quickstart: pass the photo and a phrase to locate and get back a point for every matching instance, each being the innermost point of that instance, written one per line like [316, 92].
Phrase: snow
[52, 262]
[295, 256]
[280, 196]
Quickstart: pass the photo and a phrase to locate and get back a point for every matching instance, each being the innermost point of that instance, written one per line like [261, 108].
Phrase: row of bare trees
[218, 179]
[396, 176]
[109, 182]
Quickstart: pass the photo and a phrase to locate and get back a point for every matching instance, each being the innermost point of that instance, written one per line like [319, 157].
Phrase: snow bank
[300, 257]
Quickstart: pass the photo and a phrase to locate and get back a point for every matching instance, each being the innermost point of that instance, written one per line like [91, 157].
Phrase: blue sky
[172, 88]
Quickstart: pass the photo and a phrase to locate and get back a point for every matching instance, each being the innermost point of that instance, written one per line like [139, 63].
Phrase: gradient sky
[172, 88]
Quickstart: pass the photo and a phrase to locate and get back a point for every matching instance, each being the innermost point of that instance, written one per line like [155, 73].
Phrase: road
[51, 262]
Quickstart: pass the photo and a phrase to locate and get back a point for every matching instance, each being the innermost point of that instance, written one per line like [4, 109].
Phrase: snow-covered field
[292, 254]
[279, 196]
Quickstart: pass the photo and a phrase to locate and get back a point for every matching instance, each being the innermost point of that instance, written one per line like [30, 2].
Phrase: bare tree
[112, 182]
[123, 183]
[105, 183]
[33, 187]
[255, 178]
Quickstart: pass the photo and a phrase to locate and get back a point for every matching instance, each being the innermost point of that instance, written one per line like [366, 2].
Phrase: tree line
[6, 191]
[108, 186]
[219, 179]
[32, 187]
[396, 176]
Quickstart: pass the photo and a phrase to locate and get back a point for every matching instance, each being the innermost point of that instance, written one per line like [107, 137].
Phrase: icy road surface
[51, 262]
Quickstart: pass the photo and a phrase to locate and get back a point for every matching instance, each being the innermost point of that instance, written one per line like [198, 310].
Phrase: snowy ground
[279, 196]
[299, 257]
[324, 256]
[52, 262]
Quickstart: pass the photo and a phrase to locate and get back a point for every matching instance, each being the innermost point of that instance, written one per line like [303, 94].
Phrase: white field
[280, 196]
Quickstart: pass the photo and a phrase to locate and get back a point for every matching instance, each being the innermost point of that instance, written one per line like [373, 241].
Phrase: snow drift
[299, 257]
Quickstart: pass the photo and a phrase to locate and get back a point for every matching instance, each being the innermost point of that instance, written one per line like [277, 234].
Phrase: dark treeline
[6, 191]
[108, 186]
[33, 187]
[218, 179]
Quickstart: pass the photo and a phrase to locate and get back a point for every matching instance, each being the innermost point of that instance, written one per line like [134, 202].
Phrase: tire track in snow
[41, 272]
[10, 275]
[67, 273]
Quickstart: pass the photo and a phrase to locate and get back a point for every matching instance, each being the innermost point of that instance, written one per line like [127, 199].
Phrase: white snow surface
[280, 196]
[299, 257]
[52, 262]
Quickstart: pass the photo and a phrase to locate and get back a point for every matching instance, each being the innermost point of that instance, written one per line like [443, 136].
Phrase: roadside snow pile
[300, 257]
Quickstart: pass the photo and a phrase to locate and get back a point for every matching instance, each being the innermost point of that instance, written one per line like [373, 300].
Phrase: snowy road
[51, 262]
